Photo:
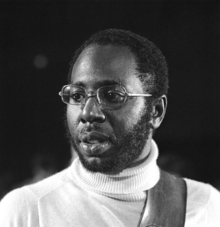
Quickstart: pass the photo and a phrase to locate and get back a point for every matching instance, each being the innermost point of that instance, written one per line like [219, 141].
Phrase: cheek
[129, 115]
[72, 114]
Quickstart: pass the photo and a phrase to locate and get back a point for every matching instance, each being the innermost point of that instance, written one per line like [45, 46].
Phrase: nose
[92, 112]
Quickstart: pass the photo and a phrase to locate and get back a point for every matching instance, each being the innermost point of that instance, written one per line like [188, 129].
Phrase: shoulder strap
[166, 203]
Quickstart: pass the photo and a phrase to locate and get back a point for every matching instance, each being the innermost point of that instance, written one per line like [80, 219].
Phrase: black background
[31, 114]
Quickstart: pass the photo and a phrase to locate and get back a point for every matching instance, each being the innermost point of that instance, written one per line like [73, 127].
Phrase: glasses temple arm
[139, 95]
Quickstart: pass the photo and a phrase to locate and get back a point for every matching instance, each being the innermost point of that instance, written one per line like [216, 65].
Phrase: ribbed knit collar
[130, 184]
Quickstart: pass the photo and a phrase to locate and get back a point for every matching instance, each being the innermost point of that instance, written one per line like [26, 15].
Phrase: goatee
[128, 146]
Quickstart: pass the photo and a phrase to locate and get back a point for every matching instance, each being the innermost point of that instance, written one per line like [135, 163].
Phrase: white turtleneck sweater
[77, 197]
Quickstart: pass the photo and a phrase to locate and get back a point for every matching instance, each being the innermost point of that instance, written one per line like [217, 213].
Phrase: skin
[98, 66]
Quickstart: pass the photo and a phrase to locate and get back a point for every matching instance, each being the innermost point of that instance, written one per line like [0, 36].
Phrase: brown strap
[166, 203]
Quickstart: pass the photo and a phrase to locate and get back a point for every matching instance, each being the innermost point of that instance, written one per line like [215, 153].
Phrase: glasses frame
[95, 94]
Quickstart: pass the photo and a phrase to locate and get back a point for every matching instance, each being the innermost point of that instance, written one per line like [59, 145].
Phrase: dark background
[37, 41]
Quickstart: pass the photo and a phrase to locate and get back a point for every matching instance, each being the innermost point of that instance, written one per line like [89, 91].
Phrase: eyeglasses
[109, 97]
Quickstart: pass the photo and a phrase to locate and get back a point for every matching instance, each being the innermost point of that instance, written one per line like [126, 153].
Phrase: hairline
[81, 49]
[157, 74]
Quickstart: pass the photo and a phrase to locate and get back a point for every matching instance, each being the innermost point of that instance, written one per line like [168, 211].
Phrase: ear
[159, 110]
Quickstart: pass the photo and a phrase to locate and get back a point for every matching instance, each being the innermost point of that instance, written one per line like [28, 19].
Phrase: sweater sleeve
[19, 209]
[213, 209]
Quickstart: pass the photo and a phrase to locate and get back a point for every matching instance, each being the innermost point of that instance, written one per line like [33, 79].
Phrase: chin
[97, 164]
[92, 162]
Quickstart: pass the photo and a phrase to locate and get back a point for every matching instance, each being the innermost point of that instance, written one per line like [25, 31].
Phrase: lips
[91, 137]
[94, 143]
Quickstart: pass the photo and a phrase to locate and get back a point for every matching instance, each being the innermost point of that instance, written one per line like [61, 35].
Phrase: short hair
[151, 64]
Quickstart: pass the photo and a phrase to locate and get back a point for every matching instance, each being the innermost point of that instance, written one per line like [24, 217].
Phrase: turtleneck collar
[130, 184]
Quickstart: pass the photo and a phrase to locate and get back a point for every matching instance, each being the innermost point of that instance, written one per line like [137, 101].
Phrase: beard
[129, 146]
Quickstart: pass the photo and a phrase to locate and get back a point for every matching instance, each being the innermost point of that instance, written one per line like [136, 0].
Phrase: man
[116, 98]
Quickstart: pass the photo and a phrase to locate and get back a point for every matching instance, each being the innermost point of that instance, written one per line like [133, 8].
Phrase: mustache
[96, 130]
[91, 127]
[86, 129]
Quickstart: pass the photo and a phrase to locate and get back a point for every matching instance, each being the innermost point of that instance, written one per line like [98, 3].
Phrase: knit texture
[129, 185]
[76, 197]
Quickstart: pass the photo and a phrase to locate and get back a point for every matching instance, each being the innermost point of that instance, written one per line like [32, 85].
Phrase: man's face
[108, 141]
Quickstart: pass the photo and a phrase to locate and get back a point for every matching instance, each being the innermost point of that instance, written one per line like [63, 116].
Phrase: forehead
[103, 65]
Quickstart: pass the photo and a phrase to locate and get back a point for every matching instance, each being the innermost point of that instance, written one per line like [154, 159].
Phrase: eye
[114, 97]
[77, 97]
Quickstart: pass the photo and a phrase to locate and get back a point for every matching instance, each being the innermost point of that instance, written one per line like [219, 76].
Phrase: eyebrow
[99, 83]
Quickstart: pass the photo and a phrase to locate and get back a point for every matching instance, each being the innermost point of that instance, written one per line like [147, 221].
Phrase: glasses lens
[111, 97]
[73, 95]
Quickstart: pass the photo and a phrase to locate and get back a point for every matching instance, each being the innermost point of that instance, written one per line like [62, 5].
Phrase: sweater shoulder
[201, 193]
[203, 203]
[18, 206]
[17, 199]
[34, 191]
[49, 184]
[21, 204]
[198, 192]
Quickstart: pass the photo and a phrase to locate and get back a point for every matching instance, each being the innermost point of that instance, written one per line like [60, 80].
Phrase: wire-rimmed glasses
[108, 97]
